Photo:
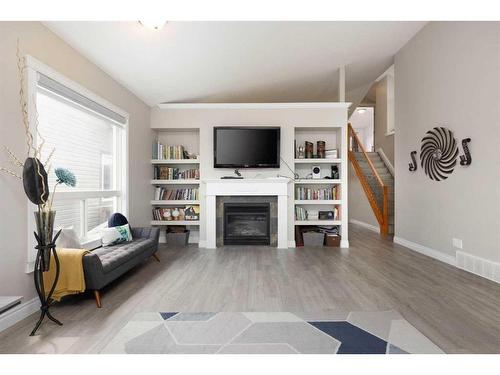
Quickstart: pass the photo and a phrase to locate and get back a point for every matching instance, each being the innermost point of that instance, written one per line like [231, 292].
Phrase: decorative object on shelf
[320, 149]
[335, 172]
[301, 152]
[309, 150]
[176, 214]
[316, 172]
[412, 167]
[438, 153]
[332, 153]
[192, 213]
[326, 215]
[467, 158]
[35, 183]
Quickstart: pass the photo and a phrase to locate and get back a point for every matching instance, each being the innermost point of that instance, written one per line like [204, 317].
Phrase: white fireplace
[246, 187]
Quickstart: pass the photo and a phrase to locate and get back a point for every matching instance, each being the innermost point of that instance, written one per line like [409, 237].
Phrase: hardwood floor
[458, 311]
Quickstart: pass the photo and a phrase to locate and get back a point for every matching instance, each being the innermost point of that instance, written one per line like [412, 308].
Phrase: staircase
[386, 177]
[376, 180]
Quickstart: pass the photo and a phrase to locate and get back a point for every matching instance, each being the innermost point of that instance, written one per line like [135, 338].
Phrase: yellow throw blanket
[71, 277]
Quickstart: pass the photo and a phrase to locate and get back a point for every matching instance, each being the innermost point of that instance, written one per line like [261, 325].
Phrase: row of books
[161, 151]
[300, 213]
[188, 213]
[188, 194]
[168, 173]
[330, 193]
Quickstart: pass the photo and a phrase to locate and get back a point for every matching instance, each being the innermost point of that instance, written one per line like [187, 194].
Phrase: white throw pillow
[115, 235]
[68, 239]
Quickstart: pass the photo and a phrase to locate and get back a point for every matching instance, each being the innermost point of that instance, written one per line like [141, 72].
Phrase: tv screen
[246, 147]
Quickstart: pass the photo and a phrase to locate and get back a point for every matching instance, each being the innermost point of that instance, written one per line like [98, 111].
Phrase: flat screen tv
[246, 147]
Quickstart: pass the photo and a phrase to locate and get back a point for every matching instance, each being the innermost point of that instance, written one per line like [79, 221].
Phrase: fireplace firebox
[247, 224]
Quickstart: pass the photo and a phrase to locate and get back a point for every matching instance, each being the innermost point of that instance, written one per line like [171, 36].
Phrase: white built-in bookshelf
[165, 172]
[315, 202]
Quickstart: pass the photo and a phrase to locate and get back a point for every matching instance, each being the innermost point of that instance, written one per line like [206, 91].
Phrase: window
[89, 139]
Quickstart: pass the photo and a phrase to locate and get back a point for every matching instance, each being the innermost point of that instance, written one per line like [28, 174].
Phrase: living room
[249, 187]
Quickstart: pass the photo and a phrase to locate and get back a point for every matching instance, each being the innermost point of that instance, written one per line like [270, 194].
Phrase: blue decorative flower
[64, 176]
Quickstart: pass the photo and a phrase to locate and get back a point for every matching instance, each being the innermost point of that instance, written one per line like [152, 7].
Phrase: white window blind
[89, 141]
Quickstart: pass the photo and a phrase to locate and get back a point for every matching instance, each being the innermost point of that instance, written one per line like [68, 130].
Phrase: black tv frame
[238, 166]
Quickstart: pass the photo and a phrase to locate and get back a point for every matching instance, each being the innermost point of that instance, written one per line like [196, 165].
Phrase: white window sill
[91, 243]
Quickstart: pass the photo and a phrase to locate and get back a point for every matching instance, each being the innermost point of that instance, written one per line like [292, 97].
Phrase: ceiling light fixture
[361, 110]
[153, 24]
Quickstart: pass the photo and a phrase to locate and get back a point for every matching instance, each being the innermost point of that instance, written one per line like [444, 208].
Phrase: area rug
[357, 332]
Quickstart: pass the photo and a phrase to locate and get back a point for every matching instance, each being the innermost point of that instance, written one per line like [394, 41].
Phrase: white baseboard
[373, 228]
[291, 244]
[18, 313]
[426, 251]
[478, 266]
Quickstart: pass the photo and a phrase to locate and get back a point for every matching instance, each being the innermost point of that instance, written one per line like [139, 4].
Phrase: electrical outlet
[457, 243]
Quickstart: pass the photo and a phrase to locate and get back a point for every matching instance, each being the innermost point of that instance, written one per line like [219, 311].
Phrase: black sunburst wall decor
[438, 153]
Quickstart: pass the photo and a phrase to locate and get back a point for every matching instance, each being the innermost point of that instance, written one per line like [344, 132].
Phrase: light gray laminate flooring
[458, 311]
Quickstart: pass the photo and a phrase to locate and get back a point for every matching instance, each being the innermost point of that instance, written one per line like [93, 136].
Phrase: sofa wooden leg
[156, 257]
[97, 296]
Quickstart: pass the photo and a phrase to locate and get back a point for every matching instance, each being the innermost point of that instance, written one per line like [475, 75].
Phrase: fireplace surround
[264, 190]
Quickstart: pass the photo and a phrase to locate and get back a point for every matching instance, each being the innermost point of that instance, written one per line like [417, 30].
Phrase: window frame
[33, 68]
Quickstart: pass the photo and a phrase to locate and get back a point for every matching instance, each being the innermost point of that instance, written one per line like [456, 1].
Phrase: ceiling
[239, 61]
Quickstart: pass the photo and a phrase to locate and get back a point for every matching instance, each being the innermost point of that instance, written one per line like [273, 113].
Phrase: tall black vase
[45, 249]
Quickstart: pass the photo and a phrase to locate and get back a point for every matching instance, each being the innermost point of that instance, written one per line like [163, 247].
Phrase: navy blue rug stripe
[168, 315]
[354, 340]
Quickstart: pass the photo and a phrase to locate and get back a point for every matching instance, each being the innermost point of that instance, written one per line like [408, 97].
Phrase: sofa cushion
[112, 257]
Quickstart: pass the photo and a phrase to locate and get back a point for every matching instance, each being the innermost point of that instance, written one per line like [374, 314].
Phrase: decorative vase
[309, 150]
[45, 229]
[45, 248]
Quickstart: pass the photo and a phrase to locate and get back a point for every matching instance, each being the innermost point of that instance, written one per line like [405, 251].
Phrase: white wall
[206, 119]
[449, 75]
[37, 41]
[384, 113]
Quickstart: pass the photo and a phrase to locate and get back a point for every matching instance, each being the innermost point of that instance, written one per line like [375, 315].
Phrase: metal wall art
[413, 165]
[467, 158]
[438, 154]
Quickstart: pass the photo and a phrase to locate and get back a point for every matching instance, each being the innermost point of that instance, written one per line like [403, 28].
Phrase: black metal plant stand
[41, 264]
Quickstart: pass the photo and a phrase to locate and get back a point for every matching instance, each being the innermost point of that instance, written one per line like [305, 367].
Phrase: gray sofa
[106, 264]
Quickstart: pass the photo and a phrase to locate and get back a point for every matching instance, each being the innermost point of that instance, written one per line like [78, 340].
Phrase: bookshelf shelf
[320, 181]
[175, 182]
[175, 161]
[174, 222]
[319, 202]
[174, 203]
[318, 222]
[318, 161]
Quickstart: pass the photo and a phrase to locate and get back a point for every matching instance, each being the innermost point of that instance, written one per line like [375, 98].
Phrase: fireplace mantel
[246, 187]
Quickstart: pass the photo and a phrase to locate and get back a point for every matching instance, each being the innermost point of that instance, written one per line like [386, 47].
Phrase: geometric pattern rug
[356, 332]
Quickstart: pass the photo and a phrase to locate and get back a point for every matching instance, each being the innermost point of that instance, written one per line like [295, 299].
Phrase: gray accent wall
[449, 75]
[37, 41]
